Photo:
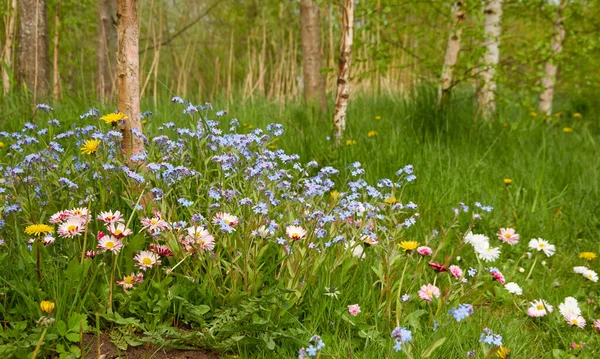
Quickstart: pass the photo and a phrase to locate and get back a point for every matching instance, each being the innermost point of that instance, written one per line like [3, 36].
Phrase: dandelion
[408, 246]
[577, 115]
[354, 310]
[567, 130]
[513, 288]
[113, 118]
[295, 232]
[427, 292]
[73, 227]
[456, 271]
[119, 230]
[503, 352]
[146, 259]
[377, 118]
[372, 133]
[90, 146]
[575, 320]
[47, 306]
[110, 217]
[588, 256]
[130, 280]
[350, 142]
[540, 244]
[508, 236]
[424, 251]
[38, 230]
[539, 308]
[334, 194]
[109, 243]
[507, 181]
[227, 218]
[390, 200]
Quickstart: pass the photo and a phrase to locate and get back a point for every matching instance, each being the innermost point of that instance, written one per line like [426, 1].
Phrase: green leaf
[74, 337]
[413, 318]
[438, 343]
[61, 328]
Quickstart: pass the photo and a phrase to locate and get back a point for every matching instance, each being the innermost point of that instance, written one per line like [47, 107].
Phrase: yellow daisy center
[117, 232]
[540, 307]
[72, 228]
[542, 245]
[110, 245]
[153, 221]
[128, 280]
[147, 261]
[574, 321]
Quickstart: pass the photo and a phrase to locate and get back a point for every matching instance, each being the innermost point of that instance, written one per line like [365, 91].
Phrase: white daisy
[71, 228]
[146, 259]
[580, 269]
[569, 307]
[476, 239]
[591, 275]
[540, 244]
[295, 232]
[513, 288]
[575, 320]
[487, 253]
[539, 308]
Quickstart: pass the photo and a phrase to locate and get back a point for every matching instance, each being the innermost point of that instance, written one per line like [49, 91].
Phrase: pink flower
[438, 267]
[429, 291]
[161, 250]
[456, 271]
[497, 275]
[424, 251]
[575, 320]
[354, 309]
[508, 236]
[130, 280]
[596, 324]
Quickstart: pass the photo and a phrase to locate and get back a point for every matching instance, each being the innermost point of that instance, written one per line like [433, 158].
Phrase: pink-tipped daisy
[111, 217]
[60, 217]
[354, 309]
[424, 251]
[427, 292]
[146, 259]
[575, 320]
[73, 227]
[110, 243]
[539, 308]
[155, 224]
[119, 230]
[229, 219]
[295, 232]
[456, 271]
[508, 236]
[161, 250]
[130, 280]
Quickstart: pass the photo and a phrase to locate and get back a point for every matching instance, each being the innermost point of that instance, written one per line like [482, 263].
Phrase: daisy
[295, 232]
[591, 275]
[146, 259]
[456, 271]
[262, 232]
[424, 251]
[542, 245]
[513, 288]
[48, 239]
[73, 227]
[154, 224]
[575, 320]
[508, 236]
[200, 236]
[109, 243]
[427, 292]
[90, 146]
[539, 308]
[119, 230]
[357, 249]
[569, 307]
[161, 250]
[370, 240]
[476, 240]
[487, 253]
[205, 242]
[354, 309]
[596, 324]
[110, 217]
[82, 213]
[130, 280]
[229, 219]
[580, 269]
[60, 217]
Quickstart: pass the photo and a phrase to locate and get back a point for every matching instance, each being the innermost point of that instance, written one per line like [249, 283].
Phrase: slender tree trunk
[33, 62]
[343, 80]
[492, 31]
[106, 49]
[312, 62]
[55, 69]
[7, 55]
[128, 75]
[452, 51]
[551, 67]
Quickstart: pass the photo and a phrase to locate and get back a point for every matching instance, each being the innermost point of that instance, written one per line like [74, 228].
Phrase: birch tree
[492, 31]
[452, 51]
[343, 79]
[312, 62]
[551, 67]
[128, 75]
[33, 62]
[7, 54]
[106, 48]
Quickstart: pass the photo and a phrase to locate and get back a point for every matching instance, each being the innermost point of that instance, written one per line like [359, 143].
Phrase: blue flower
[489, 337]
[461, 312]
[185, 202]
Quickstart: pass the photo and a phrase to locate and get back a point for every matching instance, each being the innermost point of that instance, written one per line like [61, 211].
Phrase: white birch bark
[343, 80]
[7, 55]
[492, 30]
[551, 68]
[452, 51]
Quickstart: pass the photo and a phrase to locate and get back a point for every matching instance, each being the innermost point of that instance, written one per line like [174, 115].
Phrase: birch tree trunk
[7, 55]
[55, 69]
[312, 62]
[106, 49]
[492, 31]
[551, 67]
[33, 62]
[343, 80]
[452, 51]
[128, 75]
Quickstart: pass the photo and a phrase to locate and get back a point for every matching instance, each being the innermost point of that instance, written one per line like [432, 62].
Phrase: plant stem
[39, 343]
[112, 281]
[400, 291]
[531, 270]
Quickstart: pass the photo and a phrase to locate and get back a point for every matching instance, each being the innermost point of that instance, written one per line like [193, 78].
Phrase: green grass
[458, 157]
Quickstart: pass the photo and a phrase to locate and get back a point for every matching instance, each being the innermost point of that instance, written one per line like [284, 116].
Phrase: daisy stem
[400, 291]
[112, 280]
[531, 270]
[39, 343]
[38, 261]
[85, 235]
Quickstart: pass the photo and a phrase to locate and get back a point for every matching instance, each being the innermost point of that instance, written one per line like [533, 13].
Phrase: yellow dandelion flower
[276, 139]
[250, 127]
[533, 114]
[350, 142]
[372, 133]
[1, 145]
[113, 118]
[144, 122]
[38, 229]
[335, 194]
[588, 256]
[558, 114]
[507, 181]
[47, 306]
[408, 245]
[377, 118]
[90, 146]
[567, 130]
[503, 352]
[577, 115]
[390, 200]
[272, 147]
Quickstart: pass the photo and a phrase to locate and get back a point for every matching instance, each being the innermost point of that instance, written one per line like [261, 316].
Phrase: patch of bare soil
[108, 350]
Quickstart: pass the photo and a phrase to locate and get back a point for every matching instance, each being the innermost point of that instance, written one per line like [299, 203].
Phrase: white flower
[71, 228]
[575, 320]
[580, 269]
[540, 244]
[539, 308]
[295, 232]
[591, 275]
[357, 249]
[487, 253]
[146, 259]
[513, 288]
[569, 307]
[476, 239]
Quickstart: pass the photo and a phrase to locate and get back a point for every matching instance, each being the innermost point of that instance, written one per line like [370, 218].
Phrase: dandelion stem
[531, 269]
[39, 343]
[38, 261]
